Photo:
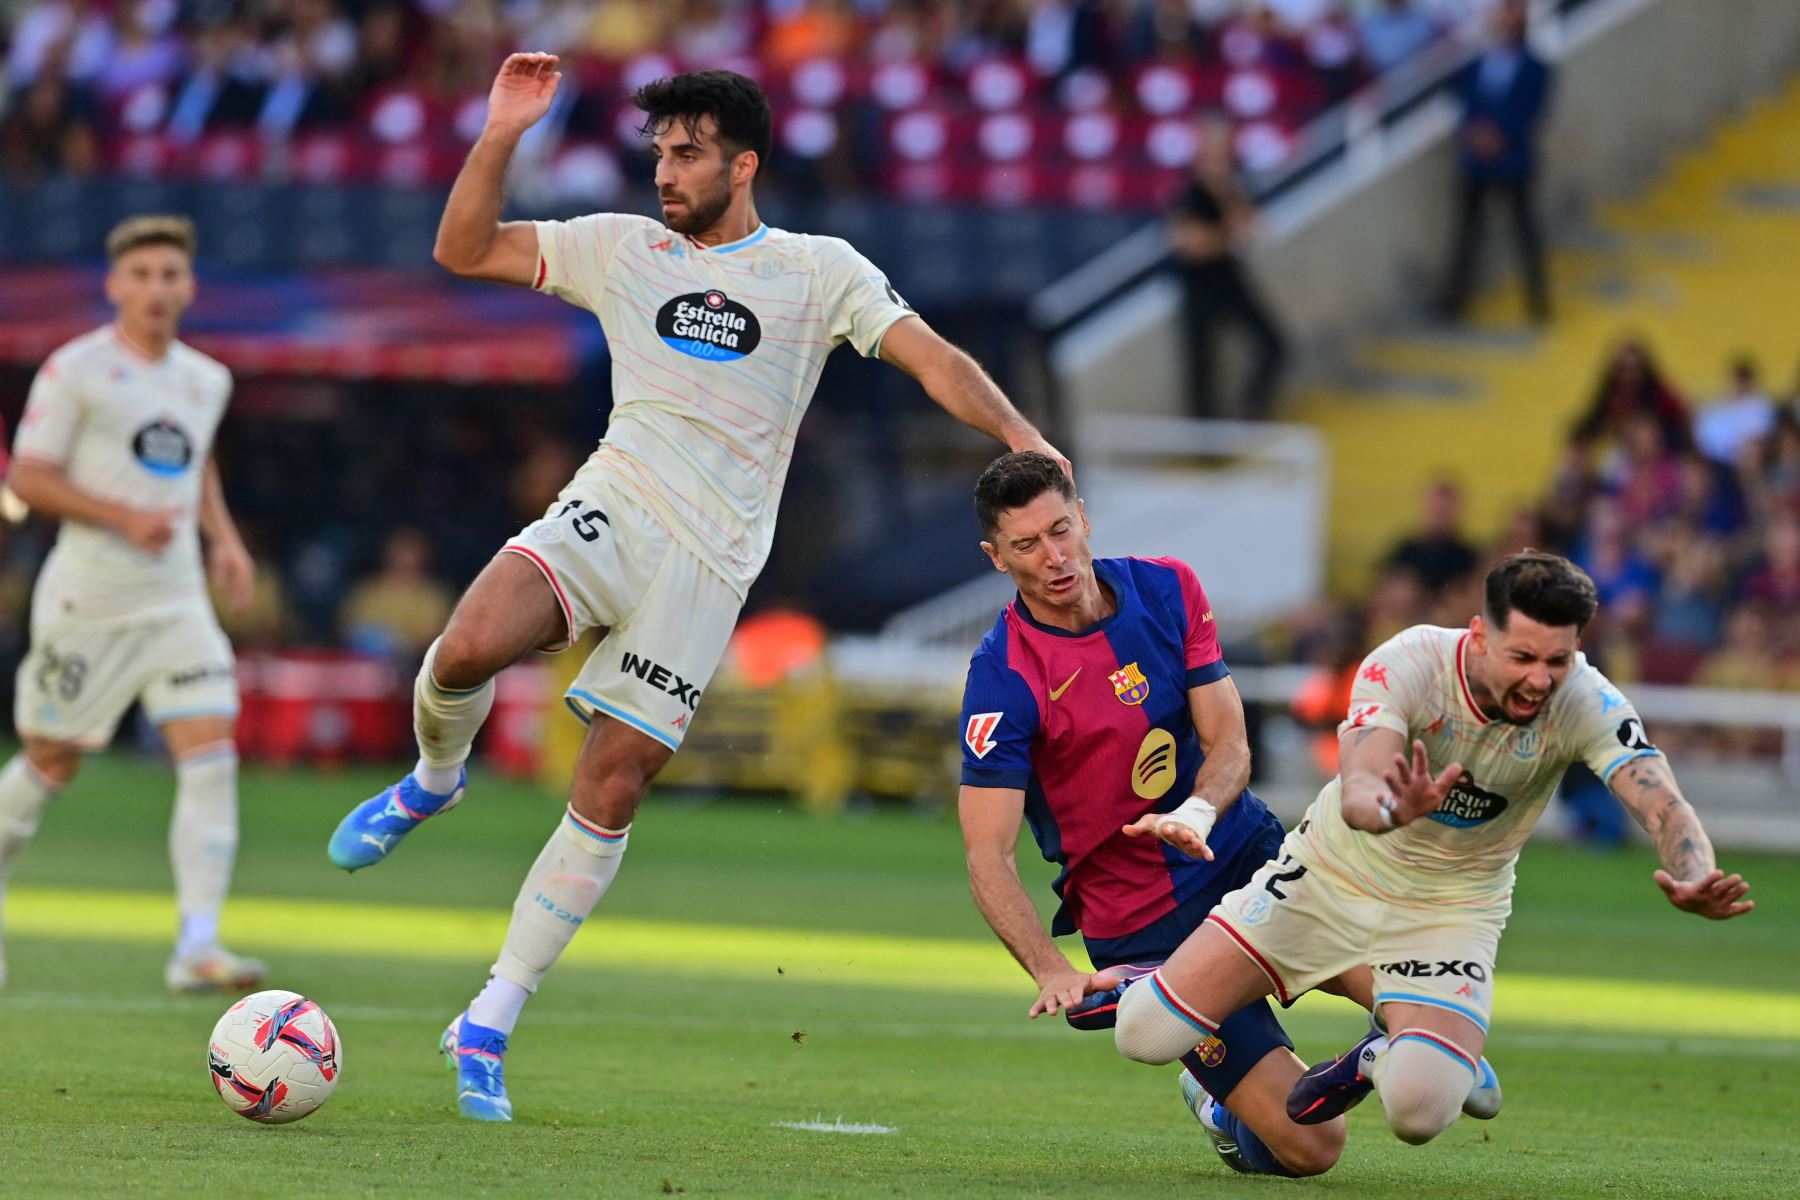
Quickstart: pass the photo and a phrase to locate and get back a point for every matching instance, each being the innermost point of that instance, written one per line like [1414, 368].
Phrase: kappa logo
[978, 734]
[1363, 714]
[1437, 726]
[662, 679]
[1129, 684]
[1376, 673]
[709, 325]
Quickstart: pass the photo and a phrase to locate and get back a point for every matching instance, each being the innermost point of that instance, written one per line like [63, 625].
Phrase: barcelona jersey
[1095, 728]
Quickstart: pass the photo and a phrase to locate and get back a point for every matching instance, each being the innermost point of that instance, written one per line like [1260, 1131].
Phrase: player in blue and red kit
[1095, 708]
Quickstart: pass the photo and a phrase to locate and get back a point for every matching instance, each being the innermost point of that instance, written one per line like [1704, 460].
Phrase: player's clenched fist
[150, 529]
[522, 91]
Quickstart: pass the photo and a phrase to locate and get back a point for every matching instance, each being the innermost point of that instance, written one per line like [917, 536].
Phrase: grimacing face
[693, 176]
[1524, 663]
[151, 286]
[1044, 547]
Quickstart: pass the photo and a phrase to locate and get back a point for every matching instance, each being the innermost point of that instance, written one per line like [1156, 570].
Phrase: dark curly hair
[1015, 480]
[737, 106]
[1549, 589]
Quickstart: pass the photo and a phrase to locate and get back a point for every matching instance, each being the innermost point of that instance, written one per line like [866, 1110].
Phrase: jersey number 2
[1283, 877]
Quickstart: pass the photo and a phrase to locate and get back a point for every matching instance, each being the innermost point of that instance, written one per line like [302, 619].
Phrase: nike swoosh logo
[1056, 693]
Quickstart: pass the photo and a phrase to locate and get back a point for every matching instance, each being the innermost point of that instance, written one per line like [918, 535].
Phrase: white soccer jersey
[136, 432]
[1463, 854]
[716, 352]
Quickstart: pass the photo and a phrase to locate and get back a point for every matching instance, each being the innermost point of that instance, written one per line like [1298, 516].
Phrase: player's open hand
[1036, 442]
[149, 529]
[1069, 987]
[1413, 787]
[522, 91]
[1716, 896]
[1178, 834]
[233, 574]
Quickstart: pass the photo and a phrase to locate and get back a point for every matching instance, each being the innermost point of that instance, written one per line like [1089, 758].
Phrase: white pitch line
[1524, 1038]
[819, 1125]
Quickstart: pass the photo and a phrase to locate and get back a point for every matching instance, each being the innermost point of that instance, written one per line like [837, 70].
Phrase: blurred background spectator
[1209, 227]
[397, 612]
[1504, 93]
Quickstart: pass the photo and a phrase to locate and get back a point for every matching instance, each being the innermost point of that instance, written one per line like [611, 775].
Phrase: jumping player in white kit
[116, 442]
[1405, 862]
[718, 326]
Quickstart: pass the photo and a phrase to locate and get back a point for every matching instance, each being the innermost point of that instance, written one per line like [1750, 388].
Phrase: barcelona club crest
[1129, 684]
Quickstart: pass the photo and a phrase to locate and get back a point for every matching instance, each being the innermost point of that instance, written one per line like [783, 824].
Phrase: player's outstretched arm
[43, 487]
[959, 386]
[1218, 713]
[1689, 877]
[1382, 787]
[471, 240]
[991, 819]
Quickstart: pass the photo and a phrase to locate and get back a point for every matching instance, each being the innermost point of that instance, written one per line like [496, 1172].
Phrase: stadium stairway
[1703, 265]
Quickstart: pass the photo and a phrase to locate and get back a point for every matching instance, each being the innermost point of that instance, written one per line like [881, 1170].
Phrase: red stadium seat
[809, 132]
[902, 85]
[1000, 84]
[1007, 137]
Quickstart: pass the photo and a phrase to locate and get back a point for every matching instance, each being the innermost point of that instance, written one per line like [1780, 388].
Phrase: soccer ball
[275, 1057]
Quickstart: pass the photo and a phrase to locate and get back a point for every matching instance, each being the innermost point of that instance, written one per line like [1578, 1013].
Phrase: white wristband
[1195, 813]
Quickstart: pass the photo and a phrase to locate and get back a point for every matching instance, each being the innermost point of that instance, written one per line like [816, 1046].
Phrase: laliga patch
[709, 325]
[978, 735]
[1632, 735]
[163, 447]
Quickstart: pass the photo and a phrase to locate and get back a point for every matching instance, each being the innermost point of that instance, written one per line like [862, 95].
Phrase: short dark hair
[1548, 588]
[738, 107]
[150, 230]
[1015, 480]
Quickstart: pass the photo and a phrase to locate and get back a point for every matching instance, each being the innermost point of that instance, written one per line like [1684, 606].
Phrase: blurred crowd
[1686, 515]
[91, 84]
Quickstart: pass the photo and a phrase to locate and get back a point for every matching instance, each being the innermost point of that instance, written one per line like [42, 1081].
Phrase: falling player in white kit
[718, 326]
[116, 442]
[1405, 861]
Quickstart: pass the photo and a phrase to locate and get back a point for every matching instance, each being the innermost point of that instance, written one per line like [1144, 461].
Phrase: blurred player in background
[1405, 862]
[719, 327]
[1099, 701]
[116, 442]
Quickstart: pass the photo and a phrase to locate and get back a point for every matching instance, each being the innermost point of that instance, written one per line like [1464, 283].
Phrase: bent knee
[1316, 1151]
[1147, 1031]
[1416, 1130]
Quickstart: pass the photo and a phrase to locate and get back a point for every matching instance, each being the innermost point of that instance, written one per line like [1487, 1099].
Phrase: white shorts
[1303, 924]
[78, 679]
[667, 615]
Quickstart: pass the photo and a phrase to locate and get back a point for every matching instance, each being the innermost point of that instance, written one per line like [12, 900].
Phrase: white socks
[498, 1005]
[1154, 1025]
[24, 794]
[445, 722]
[576, 866]
[1422, 1080]
[203, 838]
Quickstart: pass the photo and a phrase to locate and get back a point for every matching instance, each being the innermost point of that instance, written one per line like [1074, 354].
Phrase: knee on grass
[1422, 1080]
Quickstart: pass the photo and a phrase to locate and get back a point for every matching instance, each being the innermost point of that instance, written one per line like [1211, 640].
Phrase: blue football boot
[477, 1055]
[373, 828]
[1483, 1102]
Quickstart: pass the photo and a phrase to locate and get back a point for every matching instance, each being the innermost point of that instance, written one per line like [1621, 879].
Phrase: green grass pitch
[754, 967]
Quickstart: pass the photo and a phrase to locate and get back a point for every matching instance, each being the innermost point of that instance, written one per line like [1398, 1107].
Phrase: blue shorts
[1247, 1036]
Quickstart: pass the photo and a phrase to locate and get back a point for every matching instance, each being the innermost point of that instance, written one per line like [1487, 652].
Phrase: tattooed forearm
[1647, 788]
